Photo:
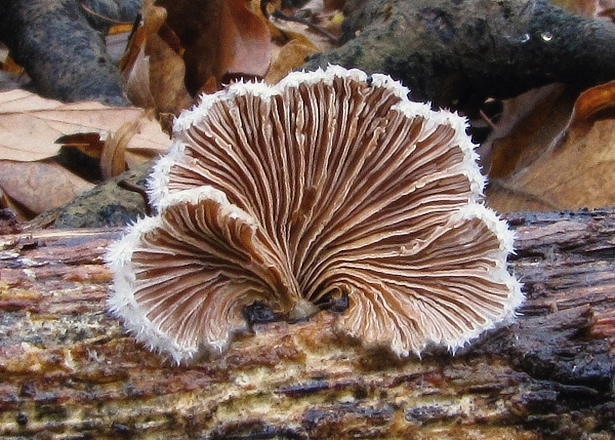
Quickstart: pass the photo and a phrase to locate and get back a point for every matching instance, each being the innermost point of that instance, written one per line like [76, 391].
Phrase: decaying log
[67, 370]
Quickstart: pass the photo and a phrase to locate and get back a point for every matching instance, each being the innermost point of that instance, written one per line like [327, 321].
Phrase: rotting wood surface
[68, 371]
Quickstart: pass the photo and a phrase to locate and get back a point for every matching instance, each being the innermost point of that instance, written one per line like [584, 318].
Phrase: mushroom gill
[330, 184]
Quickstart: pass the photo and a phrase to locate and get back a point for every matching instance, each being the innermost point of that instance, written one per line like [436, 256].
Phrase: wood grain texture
[67, 370]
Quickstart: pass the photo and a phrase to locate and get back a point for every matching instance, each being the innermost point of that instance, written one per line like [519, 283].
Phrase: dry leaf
[321, 16]
[588, 8]
[296, 40]
[137, 81]
[577, 174]
[113, 157]
[39, 186]
[11, 210]
[88, 143]
[184, 48]
[9, 65]
[116, 41]
[132, 144]
[153, 18]
[30, 124]
[575, 169]
[244, 41]
[593, 104]
[561, 155]
[153, 68]
[166, 72]
[288, 57]
[590, 105]
[526, 128]
[218, 37]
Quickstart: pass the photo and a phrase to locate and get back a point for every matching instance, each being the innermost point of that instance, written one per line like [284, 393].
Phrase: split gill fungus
[328, 186]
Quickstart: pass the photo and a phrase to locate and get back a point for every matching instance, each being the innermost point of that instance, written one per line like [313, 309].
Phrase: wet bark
[452, 53]
[68, 370]
[60, 43]
[458, 53]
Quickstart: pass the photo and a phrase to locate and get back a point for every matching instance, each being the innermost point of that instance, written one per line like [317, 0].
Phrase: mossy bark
[458, 53]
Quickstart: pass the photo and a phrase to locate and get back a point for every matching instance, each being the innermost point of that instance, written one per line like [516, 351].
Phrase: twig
[128, 185]
[97, 15]
[288, 17]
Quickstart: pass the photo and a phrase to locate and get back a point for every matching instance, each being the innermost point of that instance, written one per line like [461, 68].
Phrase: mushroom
[330, 186]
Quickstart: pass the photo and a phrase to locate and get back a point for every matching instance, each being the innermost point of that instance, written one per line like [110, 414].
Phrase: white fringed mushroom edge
[122, 302]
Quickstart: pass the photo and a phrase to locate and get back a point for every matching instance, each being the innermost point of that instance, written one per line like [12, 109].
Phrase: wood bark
[452, 53]
[60, 43]
[67, 370]
[458, 53]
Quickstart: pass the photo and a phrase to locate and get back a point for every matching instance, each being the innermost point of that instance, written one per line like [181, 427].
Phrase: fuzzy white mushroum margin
[329, 185]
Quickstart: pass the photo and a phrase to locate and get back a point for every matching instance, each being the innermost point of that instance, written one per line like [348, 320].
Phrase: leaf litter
[551, 148]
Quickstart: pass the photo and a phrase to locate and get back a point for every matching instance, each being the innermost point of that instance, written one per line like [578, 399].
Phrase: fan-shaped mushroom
[329, 185]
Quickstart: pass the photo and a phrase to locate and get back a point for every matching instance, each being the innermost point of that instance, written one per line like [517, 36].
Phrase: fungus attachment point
[330, 187]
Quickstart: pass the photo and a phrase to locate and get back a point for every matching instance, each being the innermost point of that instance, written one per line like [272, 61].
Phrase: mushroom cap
[328, 184]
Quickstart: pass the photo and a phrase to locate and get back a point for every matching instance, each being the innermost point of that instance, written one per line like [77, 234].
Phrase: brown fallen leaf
[39, 186]
[10, 213]
[184, 48]
[137, 81]
[152, 18]
[595, 103]
[290, 55]
[526, 128]
[113, 157]
[34, 129]
[31, 124]
[579, 173]
[560, 156]
[594, 100]
[132, 144]
[296, 40]
[588, 8]
[10, 66]
[153, 68]
[244, 41]
[218, 37]
[88, 143]
[116, 40]
[320, 22]
[167, 72]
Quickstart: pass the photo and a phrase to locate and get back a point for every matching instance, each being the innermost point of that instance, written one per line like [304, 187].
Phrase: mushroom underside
[328, 188]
